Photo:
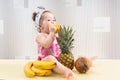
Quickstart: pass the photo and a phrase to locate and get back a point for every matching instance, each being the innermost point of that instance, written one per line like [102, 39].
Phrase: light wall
[18, 40]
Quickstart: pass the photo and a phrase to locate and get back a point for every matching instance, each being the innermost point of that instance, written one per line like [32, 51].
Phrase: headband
[38, 16]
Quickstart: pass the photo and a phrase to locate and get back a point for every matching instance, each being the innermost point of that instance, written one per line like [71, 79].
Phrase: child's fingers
[52, 29]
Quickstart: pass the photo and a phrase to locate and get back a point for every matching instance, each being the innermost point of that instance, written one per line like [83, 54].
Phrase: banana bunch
[44, 64]
[39, 68]
[27, 70]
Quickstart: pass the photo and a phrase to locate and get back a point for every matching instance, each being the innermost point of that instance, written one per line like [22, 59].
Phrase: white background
[18, 40]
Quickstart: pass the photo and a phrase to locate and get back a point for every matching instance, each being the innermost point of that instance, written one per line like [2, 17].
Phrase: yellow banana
[57, 28]
[27, 70]
[44, 64]
[41, 72]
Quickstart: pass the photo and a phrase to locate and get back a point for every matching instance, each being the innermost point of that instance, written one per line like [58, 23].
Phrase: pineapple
[65, 42]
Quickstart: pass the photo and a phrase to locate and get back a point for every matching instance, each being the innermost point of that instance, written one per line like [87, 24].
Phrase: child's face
[48, 21]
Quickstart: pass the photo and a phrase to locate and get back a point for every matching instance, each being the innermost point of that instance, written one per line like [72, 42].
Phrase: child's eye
[54, 20]
[51, 20]
[48, 20]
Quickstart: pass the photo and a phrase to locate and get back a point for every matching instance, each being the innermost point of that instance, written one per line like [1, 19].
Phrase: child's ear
[40, 27]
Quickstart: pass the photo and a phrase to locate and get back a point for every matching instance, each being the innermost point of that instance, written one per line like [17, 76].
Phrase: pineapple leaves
[66, 39]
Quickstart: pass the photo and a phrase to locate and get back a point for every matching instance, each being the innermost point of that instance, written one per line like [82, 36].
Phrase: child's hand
[52, 29]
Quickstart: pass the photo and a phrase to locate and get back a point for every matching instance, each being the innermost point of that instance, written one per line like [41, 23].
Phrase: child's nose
[53, 22]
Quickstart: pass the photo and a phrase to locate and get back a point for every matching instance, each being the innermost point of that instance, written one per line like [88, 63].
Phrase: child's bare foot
[93, 58]
[70, 76]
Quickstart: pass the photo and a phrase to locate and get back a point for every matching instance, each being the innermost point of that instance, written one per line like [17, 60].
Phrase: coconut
[82, 64]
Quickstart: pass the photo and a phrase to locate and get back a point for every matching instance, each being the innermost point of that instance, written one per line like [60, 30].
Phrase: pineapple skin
[67, 60]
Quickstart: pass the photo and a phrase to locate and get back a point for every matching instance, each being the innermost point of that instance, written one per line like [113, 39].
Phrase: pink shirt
[52, 50]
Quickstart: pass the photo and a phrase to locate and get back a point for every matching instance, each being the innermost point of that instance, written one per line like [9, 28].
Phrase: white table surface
[101, 70]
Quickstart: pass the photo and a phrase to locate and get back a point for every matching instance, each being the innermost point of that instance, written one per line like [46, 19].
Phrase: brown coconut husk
[83, 64]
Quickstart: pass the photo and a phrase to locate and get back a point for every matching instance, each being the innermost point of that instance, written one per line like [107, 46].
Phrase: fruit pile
[39, 68]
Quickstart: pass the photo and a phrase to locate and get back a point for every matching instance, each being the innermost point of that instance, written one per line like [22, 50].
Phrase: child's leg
[61, 69]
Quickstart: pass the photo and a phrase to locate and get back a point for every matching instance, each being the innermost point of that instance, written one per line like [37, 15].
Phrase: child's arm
[45, 41]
